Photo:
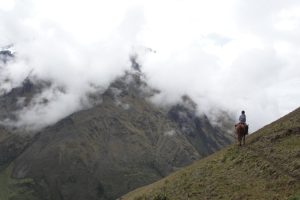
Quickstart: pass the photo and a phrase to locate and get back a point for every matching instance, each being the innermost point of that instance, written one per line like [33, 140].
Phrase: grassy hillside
[15, 189]
[268, 167]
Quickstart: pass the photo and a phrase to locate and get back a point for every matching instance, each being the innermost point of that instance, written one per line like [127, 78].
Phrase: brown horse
[240, 131]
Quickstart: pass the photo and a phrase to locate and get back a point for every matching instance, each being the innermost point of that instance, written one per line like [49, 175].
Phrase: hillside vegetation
[267, 167]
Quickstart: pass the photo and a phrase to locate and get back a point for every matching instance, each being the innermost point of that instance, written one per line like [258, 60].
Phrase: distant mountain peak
[134, 64]
[6, 54]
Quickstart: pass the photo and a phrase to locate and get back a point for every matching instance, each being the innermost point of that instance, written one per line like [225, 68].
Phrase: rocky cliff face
[102, 152]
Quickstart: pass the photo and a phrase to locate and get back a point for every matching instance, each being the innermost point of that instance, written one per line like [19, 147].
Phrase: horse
[240, 131]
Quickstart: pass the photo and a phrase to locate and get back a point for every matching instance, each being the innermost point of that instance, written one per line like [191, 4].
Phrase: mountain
[121, 142]
[19, 98]
[5, 55]
[268, 167]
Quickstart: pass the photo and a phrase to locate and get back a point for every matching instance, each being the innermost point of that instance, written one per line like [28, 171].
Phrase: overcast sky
[234, 54]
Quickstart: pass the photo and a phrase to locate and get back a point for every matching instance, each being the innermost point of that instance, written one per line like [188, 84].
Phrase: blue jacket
[242, 118]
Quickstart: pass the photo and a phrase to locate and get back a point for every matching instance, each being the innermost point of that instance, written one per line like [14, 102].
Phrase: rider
[242, 120]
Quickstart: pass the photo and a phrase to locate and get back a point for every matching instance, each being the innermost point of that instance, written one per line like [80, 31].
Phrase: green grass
[268, 167]
[15, 189]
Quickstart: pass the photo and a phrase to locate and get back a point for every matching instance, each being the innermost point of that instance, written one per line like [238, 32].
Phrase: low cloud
[45, 51]
[170, 133]
[235, 56]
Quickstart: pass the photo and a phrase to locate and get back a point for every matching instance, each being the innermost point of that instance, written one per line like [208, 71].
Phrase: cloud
[234, 55]
[48, 52]
[170, 133]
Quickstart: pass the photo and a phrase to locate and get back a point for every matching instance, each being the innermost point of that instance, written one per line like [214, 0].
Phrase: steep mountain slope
[11, 146]
[198, 129]
[268, 167]
[105, 151]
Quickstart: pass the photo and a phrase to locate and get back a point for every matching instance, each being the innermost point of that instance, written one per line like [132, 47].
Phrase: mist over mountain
[35, 103]
[221, 56]
[120, 141]
[100, 97]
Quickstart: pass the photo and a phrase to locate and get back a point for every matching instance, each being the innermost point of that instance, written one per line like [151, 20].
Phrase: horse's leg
[236, 137]
[238, 140]
[244, 139]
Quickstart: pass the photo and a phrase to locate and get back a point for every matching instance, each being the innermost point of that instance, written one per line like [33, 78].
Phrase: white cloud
[7, 4]
[237, 55]
[170, 133]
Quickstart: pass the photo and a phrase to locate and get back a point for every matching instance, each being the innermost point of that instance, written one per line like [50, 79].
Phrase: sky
[232, 55]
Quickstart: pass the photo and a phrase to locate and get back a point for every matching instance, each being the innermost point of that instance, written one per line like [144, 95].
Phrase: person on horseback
[242, 120]
[241, 129]
[242, 117]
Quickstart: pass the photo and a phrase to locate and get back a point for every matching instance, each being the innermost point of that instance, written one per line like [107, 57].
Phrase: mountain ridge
[268, 167]
[121, 142]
